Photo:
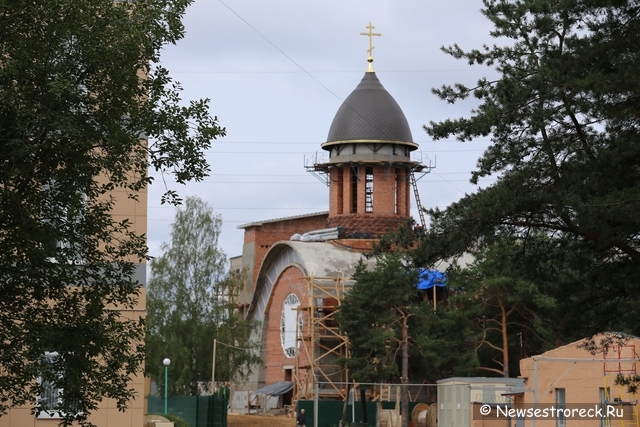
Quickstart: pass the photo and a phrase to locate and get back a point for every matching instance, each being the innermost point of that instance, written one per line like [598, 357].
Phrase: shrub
[177, 421]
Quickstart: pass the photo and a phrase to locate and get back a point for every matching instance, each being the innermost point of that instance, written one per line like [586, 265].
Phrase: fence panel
[330, 412]
[197, 411]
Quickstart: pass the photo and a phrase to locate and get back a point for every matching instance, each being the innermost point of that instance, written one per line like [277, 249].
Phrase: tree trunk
[363, 401]
[344, 407]
[505, 339]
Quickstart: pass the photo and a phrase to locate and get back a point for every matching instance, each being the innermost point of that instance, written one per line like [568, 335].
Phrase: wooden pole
[434, 297]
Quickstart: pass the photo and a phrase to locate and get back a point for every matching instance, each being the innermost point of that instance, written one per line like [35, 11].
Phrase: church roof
[287, 218]
[313, 259]
[370, 114]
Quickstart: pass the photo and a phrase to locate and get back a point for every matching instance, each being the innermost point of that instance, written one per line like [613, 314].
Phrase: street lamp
[166, 363]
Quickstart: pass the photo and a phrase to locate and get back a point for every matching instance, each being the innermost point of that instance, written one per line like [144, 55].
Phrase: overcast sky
[277, 72]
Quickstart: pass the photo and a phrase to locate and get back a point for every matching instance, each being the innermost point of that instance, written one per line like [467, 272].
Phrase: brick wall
[259, 239]
[375, 225]
[391, 200]
[291, 281]
[356, 245]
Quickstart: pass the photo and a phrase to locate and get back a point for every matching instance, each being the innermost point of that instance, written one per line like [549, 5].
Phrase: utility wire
[449, 182]
[237, 348]
[280, 50]
[320, 72]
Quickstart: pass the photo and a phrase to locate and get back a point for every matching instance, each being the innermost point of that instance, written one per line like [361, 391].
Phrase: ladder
[385, 392]
[418, 204]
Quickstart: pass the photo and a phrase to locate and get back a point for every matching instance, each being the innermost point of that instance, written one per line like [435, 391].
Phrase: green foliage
[506, 310]
[513, 301]
[85, 109]
[388, 291]
[437, 341]
[190, 302]
[176, 420]
[444, 347]
[564, 118]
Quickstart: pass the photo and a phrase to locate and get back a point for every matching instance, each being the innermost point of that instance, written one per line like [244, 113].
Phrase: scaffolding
[320, 342]
[622, 362]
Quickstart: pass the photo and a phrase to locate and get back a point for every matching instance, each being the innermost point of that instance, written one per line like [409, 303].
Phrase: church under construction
[300, 267]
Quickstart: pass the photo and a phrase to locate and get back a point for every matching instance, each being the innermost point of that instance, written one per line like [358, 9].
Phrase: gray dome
[370, 113]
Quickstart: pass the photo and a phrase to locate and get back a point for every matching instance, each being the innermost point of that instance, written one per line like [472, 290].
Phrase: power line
[318, 143]
[281, 51]
[292, 174]
[310, 182]
[449, 182]
[237, 348]
[298, 153]
[249, 208]
[322, 72]
[314, 210]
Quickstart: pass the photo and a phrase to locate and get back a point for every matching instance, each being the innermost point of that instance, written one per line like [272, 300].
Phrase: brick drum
[372, 225]
[347, 200]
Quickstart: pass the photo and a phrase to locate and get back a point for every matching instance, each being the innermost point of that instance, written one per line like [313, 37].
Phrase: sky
[276, 73]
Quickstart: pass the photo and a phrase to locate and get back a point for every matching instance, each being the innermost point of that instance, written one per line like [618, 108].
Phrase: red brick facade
[276, 362]
[263, 235]
[356, 245]
[373, 225]
[387, 207]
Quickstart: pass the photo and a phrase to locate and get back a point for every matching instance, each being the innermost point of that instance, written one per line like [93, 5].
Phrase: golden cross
[371, 34]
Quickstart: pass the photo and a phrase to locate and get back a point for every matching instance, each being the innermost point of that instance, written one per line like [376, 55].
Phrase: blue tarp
[427, 279]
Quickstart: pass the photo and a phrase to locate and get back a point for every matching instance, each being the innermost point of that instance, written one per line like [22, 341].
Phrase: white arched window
[290, 325]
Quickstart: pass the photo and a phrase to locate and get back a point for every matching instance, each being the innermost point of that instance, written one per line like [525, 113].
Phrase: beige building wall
[107, 414]
[583, 376]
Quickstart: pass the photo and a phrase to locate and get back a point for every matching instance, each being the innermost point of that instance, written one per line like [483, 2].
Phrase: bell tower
[369, 168]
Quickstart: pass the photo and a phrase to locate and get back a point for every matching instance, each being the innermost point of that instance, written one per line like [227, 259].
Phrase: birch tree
[191, 302]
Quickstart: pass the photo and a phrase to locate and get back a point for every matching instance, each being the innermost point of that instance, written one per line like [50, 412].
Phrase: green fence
[197, 411]
[330, 412]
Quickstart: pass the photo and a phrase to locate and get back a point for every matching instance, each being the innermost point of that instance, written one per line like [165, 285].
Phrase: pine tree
[564, 120]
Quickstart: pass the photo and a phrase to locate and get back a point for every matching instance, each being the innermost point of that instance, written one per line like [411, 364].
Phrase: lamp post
[213, 368]
[166, 362]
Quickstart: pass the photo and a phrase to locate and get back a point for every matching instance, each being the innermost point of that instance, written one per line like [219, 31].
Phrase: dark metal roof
[276, 389]
[287, 218]
[370, 113]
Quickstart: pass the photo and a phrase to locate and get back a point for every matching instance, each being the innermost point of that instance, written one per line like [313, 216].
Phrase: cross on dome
[370, 34]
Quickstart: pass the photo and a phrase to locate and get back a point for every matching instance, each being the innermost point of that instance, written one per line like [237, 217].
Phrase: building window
[561, 403]
[340, 191]
[605, 399]
[396, 189]
[67, 221]
[368, 190]
[49, 400]
[354, 189]
[290, 325]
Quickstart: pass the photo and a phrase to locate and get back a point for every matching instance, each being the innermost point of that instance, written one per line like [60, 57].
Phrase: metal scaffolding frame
[320, 341]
